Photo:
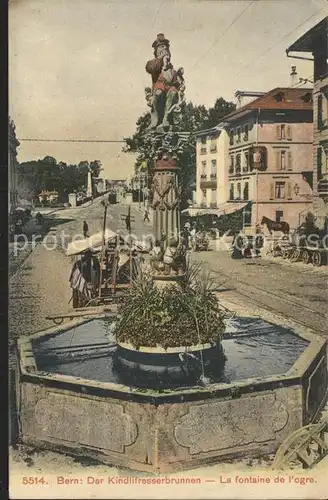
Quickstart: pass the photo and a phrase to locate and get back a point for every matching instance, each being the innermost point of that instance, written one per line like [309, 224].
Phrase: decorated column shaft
[166, 198]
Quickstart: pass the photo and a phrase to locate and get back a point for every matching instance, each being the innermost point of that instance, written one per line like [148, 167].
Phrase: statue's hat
[160, 40]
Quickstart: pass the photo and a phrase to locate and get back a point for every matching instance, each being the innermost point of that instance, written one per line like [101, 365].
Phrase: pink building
[271, 155]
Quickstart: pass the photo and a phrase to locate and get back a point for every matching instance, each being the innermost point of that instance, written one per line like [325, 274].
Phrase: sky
[77, 67]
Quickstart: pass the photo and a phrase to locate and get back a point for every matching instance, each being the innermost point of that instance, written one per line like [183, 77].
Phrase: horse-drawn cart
[316, 255]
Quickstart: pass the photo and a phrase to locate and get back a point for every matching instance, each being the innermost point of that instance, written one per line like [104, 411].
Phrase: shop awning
[93, 243]
[223, 209]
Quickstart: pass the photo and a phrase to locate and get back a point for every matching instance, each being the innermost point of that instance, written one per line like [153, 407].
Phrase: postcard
[168, 194]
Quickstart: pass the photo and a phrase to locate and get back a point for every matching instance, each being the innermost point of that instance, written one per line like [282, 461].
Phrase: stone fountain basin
[74, 411]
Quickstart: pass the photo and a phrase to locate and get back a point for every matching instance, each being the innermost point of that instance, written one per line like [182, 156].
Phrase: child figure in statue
[156, 255]
[174, 258]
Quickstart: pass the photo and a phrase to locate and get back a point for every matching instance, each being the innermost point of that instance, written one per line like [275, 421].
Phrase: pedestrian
[128, 223]
[146, 216]
[85, 229]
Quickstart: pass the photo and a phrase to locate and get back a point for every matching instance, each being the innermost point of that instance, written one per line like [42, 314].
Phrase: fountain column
[166, 199]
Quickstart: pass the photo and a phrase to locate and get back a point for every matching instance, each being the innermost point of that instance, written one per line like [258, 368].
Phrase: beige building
[315, 42]
[12, 166]
[211, 167]
[270, 151]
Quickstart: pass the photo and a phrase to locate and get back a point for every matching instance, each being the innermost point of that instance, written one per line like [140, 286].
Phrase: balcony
[323, 188]
[208, 184]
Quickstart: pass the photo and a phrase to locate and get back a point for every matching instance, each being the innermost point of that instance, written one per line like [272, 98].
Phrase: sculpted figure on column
[168, 86]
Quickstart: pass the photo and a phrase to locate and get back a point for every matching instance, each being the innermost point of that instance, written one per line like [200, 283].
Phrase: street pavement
[294, 290]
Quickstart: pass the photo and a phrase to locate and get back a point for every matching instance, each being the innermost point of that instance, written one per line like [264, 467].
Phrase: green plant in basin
[183, 315]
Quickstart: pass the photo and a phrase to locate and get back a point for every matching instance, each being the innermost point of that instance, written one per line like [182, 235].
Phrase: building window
[203, 171]
[238, 191]
[246, 191]
[280, 190]
[238, 163]
[231, 192]
[231, 137]
[203, 202]
[238, 134]
[284, 132]
[279, 215]
[232, 164]
[282, 160]
[213, 169]
[203, 142]
[213, 147]
[213, 197]
[246, 161]
[246, 133]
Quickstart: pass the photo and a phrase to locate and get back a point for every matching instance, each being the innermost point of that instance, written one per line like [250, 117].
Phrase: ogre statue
[168, 86]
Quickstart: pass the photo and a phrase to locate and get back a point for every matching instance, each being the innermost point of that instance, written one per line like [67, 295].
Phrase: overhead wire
[224, 32]
[276, 44]
[72, 140]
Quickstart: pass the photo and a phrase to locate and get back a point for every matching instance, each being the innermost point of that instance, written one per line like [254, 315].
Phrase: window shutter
[289, 132]
[278, 129]
[319, 163]
[289, 190]
[271, 191]
[290, 165]
[278, 160]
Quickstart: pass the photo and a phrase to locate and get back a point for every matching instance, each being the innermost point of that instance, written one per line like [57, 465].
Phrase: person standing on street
[85, 229]
[146, 216]
[128, 223]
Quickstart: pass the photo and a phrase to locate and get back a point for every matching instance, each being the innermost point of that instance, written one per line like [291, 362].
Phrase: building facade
[270, 155]
[12, 166]
[260, 154]
[211, 167]
[315, 42]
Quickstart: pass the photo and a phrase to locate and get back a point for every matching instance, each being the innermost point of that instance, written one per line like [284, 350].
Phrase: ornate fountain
[151, 390]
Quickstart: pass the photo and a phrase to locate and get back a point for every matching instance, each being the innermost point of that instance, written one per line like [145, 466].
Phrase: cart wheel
[317, 258]
[305, 256]
[295, 256]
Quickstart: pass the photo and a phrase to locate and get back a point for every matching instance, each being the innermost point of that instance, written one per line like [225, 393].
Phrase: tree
[46, 174]
[194, 118]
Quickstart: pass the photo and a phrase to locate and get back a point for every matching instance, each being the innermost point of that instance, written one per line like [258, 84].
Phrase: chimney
[293, 77]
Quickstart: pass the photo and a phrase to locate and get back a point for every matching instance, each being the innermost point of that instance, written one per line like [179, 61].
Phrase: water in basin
[252, 347]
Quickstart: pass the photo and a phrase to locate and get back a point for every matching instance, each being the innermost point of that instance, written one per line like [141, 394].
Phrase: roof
[292, 100]
[214, 130]
[309, 40]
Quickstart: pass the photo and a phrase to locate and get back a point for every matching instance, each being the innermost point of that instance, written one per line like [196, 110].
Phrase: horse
[275, 226]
